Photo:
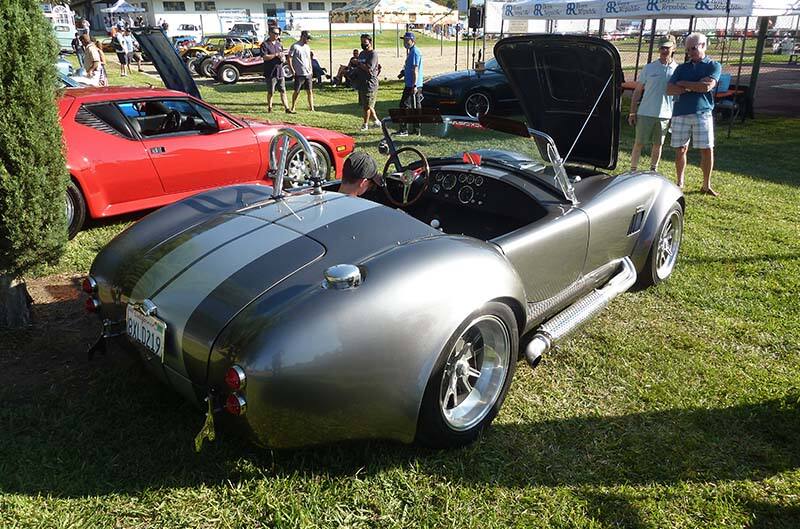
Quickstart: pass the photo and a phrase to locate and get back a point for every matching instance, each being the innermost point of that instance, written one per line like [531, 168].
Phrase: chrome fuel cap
[342, 277]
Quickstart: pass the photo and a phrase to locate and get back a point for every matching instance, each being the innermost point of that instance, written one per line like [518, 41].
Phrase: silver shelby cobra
[305, 316]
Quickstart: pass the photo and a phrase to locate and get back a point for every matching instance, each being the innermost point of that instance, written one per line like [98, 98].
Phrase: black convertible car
[471, 92]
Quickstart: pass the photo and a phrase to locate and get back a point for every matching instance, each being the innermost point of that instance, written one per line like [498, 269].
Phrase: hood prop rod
[588, 117]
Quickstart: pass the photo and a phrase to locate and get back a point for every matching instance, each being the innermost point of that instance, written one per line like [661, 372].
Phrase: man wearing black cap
[302, 69]
[412, 73]
[358, 174]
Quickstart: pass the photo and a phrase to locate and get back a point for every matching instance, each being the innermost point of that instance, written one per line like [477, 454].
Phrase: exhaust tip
[539, 345]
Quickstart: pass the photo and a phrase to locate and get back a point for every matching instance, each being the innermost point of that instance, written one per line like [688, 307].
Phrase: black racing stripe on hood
[235, 293]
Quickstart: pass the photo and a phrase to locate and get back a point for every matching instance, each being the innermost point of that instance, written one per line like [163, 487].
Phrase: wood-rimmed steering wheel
[406, 176]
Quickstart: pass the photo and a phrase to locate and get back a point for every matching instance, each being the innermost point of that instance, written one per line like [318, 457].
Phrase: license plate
[147, 331]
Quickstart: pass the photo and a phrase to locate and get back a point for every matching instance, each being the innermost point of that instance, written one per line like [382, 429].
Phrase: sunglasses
[665, 48]
[695, 48]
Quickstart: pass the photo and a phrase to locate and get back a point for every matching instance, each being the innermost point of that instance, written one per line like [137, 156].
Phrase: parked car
[184, 30]
[229, 69]
[130, 149]
[217, 44]
[249, 29]
[471, 92]
[311, 316]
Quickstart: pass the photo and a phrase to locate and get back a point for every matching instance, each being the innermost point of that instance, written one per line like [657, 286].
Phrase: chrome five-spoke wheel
[475, 372]
[477, 104]
[669, 242]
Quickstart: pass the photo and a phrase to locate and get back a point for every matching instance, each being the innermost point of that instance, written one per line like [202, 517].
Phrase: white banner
[532, 9]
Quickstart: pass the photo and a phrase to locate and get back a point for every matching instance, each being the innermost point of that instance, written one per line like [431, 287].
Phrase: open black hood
[170, 66]
[558, 79]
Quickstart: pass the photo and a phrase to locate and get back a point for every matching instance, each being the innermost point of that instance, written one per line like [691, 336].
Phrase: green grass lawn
[678, 407]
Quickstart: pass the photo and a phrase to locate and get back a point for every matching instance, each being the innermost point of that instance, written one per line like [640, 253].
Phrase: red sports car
[130, 149]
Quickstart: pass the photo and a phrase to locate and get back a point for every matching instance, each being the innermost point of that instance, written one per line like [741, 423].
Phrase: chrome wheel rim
[668, 245]
[475, 373]
[227, 75]
[298, 169]
[70, 210]
[476, 105]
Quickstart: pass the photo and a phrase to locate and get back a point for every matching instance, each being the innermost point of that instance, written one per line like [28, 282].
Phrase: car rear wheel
[664, 251]
[75, 209]
[471, 378]
[298, 169]
[477, 103]
[228, 74]
[190, 63]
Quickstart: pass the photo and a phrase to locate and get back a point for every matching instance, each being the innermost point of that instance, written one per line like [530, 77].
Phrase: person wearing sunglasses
[651, 107]
[693, 82]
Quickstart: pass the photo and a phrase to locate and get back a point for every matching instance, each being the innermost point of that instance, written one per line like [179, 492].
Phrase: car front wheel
[228, 74]
[471, 378]
[75, 210]
[298, 169]
[205, 67]
[477, 104]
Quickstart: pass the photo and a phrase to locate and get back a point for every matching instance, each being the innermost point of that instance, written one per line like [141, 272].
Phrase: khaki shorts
[366, 98]
[650, 130]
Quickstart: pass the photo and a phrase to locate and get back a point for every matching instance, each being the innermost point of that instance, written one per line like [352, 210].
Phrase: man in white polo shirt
[651, 116]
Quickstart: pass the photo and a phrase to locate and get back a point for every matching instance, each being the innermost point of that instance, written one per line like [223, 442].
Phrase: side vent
[636, 221]
[87, 118]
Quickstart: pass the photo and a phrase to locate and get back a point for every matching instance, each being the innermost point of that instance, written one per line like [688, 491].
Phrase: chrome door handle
[158, 150]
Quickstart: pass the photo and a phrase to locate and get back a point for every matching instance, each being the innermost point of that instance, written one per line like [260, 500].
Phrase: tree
[33, 176]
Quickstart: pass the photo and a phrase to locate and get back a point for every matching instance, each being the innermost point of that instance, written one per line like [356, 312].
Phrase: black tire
[433, 428]
[205, 67]
[190, 63]
[659, 265]
[76, 209]
[323, 157]
[228, 74]
[478, 102]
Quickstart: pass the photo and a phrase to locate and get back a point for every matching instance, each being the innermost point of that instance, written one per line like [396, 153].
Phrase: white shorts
[697, 127]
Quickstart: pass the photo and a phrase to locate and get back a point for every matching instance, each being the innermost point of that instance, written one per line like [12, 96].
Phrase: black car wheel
[664, 250]
[298, 170]
[75, 209]
[228, 74]
[205, 67]
[477, 103]
[190, 63]
[471, 378]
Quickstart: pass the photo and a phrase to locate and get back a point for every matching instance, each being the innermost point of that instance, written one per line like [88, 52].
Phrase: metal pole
[458, 29]
[502, 21]
[691, 23]
[373, 30]
[739, 74]
[397, 40]
[638, 49]
[483, 28]
[602, 27]
[762, 37]
[652, 41]
[330, 46]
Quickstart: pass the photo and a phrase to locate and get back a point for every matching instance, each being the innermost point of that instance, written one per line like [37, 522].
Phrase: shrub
[33, 176]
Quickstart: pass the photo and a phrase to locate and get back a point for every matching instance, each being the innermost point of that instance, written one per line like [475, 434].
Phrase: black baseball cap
[306, 34]
[360, 166]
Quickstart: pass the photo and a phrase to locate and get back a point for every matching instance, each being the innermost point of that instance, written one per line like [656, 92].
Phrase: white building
[218, 16]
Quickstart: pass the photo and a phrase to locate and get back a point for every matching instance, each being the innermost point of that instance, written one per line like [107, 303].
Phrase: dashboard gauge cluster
[466, 188]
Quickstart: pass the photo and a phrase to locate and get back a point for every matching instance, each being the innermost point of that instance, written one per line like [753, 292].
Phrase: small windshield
[497, 142]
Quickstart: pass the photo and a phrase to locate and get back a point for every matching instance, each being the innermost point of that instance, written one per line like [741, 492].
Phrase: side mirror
[223, 123]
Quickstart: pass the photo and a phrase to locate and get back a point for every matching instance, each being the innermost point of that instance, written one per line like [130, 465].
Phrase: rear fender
[666, 196]
[325, 365]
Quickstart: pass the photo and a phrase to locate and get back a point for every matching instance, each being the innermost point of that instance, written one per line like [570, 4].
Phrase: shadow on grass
[110, 428]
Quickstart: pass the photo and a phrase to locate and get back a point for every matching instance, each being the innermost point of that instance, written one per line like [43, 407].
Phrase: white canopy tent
[122, 7]
[390, 12]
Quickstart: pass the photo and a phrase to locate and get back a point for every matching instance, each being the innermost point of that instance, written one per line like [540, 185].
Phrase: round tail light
[235, 378]
[235, 404]
[89, 285]
[92, 305]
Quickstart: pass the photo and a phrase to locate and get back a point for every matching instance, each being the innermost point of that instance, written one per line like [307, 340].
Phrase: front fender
[666, 195]
[326, 365]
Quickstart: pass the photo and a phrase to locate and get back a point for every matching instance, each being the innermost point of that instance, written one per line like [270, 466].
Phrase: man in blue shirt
[693, 82]
[412, 73]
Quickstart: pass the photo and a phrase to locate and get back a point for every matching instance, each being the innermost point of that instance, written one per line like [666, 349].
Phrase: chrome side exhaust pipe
[571, 318]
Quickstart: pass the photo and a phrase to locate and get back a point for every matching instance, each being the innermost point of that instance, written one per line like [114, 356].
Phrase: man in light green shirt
[651, 115]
